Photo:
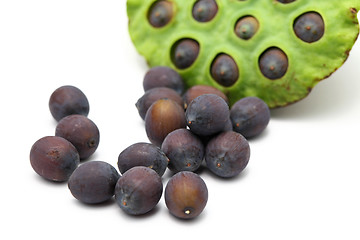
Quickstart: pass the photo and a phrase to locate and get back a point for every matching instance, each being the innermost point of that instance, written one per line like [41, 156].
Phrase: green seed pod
[279, 54]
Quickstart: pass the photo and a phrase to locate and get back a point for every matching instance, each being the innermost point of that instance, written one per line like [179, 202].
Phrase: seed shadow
[238, 177]
[189, 220]
[90, 158]
[259, 137]
[147, 215]
[107, 203]
[45, 181]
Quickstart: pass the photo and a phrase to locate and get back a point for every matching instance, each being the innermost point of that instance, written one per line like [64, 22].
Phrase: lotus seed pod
[278, 50]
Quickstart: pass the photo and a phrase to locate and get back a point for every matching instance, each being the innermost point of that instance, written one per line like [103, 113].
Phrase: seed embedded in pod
[309, 27]
[273, 63]
[246, 27]
[184, 53]
[160, 13]
[224, 70]
[286, 1]
[204, 10]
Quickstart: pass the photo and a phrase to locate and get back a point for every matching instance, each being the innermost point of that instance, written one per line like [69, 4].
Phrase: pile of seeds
[184, 129]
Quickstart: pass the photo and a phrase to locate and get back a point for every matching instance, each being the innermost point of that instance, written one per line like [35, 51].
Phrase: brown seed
[163, 117]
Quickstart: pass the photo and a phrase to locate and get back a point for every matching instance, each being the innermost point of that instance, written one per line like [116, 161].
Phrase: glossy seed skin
[184, 150]
[81, 132]
[227, 154]
[68, 100]
[224, 70]
[186, 195]
[54, 158]
[309, 27]
[250, 116]
[160, 13]
[246, 27]
[162, 76]
[207, 114]
[198, 90]
[273, 63]
[143, 154]
[138, 190]
[184, 53]
[93, 182]
[204, 10]
[163, 117]
[154, 94]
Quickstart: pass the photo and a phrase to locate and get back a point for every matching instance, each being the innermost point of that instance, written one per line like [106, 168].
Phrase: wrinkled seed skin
[54, 158]
[186, 195]
[93, 182]
[81, 132]
[162, 76]
[198, 90]
[154, 94]
[163, 117]
[68, 100]
[250, 116]
[204, 10]
[227, 154]
[184, 150]
[138, 190]
[207, 114]
[143, 154]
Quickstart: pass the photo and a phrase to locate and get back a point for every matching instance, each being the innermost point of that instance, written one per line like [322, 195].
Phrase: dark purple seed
[184, 53]
[138, 190]
[309, 27]
[227, 154]
[224, 70]
[162, 76]
[54, 158]
[184, 150]
[160, 13]
[154, 94]
[227, 127]
[273, 63]
[250, 116]
[93, 182]
[81, 132]
[207, 114]
[68, 100]
[246, 27]
[163, 117]
[204, 10]
[286, 1]
[186, 195]
[198, 90]
[143, 154]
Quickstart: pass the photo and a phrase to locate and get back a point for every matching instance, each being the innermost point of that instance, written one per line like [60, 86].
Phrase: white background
[302, 181]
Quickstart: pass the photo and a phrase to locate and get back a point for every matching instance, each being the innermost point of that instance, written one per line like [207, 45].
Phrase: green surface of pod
[306, 62]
